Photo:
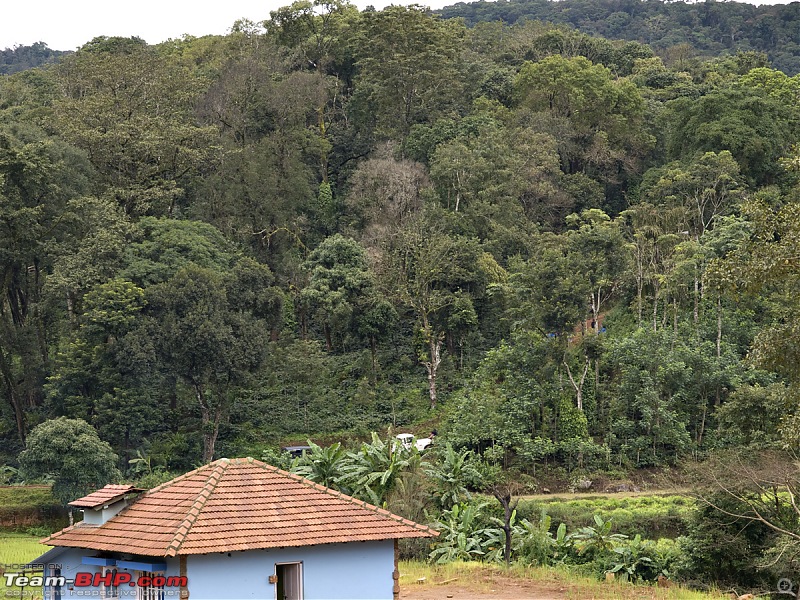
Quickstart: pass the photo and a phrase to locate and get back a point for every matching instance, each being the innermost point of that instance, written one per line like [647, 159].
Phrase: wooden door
[290, 581]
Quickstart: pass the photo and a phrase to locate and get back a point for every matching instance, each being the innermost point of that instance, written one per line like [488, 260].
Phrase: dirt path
[518, 591]
[490, 588]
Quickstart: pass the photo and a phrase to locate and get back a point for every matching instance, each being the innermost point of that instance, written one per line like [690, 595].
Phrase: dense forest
[20, 58]
[566, 254]
[528, 237]
[675, 30]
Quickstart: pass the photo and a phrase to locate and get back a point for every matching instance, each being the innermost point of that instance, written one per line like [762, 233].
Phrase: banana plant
[562, 545]
[323, 465]
[373, 471]
[599, 539]
[631, 559]
[462, 535]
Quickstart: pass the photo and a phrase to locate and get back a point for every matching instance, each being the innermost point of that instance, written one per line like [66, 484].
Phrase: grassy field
[649, 515]
[18, 549]
[566, 497]
[486, 578]
[27, 506]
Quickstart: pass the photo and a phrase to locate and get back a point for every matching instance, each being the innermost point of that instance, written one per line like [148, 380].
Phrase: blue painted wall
[354, 571]
[70, 561]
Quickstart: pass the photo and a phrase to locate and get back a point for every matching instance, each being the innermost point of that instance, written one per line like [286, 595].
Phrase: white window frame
[150, 592]
[51, 589]
[109, 591]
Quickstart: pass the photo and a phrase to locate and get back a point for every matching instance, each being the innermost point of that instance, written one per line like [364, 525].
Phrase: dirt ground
[499, 588]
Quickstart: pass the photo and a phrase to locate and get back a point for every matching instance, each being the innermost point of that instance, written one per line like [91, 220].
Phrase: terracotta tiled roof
[239, 504]
[104, 496]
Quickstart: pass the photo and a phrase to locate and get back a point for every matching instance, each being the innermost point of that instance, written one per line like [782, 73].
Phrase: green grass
[29, 506]
[482, 577]
[651, 516]
[19, 549]
[26, 496]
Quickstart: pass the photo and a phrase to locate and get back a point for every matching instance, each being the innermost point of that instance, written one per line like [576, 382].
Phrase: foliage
[565, 253]
[69, 451]
[375, 468]
[653, 517]
[453, 475]
[631, 559]
[20, 58]
[680, 33]
[597, 540]
[463, 534]
[535, 543]
[323, 465]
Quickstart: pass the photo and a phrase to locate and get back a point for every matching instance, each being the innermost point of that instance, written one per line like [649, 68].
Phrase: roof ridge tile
[194, 511]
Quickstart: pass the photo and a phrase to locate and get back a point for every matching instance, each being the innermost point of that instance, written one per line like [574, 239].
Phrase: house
[232, 529]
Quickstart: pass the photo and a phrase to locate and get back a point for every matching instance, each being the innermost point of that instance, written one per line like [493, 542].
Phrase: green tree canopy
[70, 452]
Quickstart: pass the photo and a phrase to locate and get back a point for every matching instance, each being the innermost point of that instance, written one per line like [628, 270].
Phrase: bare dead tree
[765, 485]
[504, 491]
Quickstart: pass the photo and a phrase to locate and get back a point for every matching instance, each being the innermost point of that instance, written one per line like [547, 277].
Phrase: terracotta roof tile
[105, 495]
[240, 504]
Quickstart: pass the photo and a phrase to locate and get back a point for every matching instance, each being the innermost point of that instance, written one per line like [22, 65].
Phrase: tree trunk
[504, 498]
[595, 308]
[696, 315]
[578, 385]
[655, 309]
[13, 398]
[719, 326]
[435, 348]
[71, 308]
[675, 314]
[373, 346]
[211, 418]
[702, 425]
[639, 287]
[323, 167]
[597, 389]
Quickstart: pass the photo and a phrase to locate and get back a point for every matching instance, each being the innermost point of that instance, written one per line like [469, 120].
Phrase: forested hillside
[544, 243]
[675, 30]
[20, 58]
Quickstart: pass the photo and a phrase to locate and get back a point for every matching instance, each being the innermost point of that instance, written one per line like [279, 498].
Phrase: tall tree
[202, 341]
[130, 109]
[38, 178]
[425, 268]
[408, 66]
[755, 127]
[598, 119]
[340, 286]
[69, 451]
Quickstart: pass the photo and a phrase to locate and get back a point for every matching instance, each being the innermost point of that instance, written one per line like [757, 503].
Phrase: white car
[407, 440]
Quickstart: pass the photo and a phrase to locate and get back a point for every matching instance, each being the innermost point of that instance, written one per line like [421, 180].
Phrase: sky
[66, 25]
